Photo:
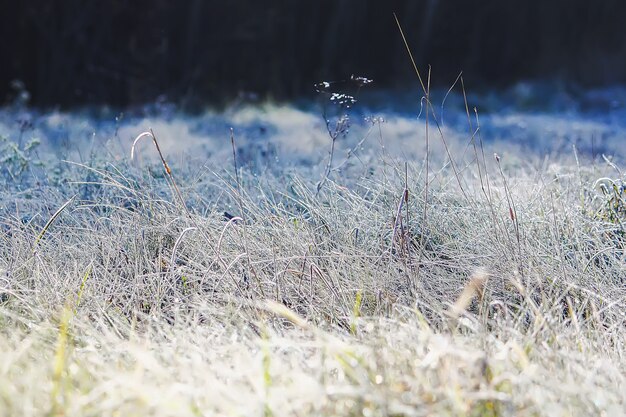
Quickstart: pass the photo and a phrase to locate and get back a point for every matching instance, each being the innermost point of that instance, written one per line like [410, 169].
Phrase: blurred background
[196, 52]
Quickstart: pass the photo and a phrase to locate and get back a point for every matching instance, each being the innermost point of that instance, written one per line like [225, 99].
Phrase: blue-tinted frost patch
[527, 117]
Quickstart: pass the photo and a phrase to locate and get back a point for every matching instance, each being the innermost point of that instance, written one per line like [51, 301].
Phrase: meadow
[331, 260]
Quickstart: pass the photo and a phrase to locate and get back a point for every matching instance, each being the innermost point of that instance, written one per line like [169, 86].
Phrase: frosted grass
[268, 294]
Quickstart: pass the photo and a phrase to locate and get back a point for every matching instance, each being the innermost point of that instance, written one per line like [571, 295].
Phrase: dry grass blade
[177, 244]
[166, 167]
[52, 220]
[408, 49]
[283, 311]
[474, 288]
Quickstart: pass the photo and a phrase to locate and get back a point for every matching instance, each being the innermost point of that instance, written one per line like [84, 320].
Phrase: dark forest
[123, 53]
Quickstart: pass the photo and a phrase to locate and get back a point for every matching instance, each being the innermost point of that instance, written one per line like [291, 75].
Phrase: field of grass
[430, 277]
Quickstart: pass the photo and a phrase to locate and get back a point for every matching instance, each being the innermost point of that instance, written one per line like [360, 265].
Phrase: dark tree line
[121, 52]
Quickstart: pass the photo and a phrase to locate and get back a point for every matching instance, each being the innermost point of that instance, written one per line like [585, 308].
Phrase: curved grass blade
[52, 219]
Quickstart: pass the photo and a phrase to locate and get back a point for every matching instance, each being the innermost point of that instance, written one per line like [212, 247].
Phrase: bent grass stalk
[166, 167]
[52, 220]
[474, 288]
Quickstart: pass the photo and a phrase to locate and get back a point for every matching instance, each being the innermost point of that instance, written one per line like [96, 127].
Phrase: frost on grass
[394, 366]
[262, 296]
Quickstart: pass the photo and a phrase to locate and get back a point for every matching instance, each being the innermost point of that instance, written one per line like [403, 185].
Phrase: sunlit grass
[498, 292]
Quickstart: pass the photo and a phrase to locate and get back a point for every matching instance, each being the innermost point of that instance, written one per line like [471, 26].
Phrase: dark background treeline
[119, 52]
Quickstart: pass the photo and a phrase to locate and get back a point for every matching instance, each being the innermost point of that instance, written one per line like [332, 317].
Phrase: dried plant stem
[166, 167]
[52, 220]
